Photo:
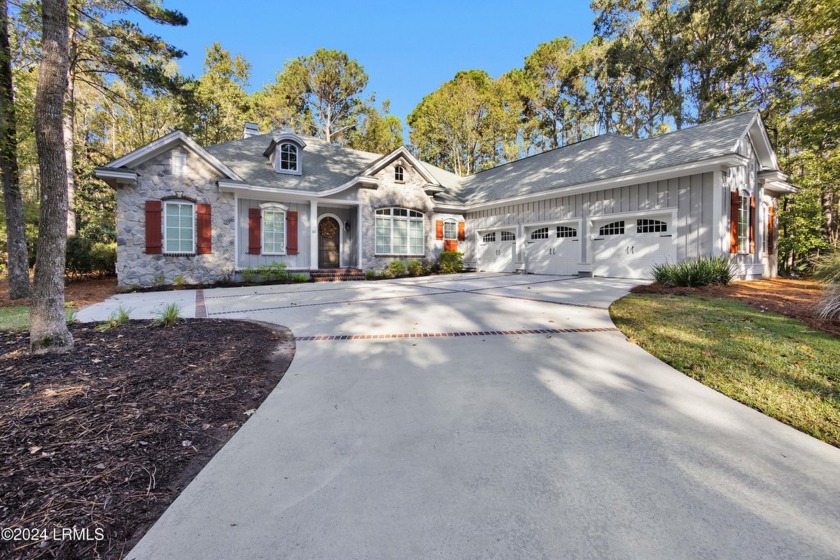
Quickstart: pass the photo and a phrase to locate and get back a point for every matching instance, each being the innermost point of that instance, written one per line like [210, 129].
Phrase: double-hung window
[273, 230]
[288, 157]
[399, 231]
[179, 227]
[744, 224]
[450, 230]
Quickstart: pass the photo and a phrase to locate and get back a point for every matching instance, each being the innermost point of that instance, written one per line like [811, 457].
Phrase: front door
[328, 243]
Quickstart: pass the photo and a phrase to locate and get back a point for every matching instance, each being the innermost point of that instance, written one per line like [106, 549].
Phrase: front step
[337, 275]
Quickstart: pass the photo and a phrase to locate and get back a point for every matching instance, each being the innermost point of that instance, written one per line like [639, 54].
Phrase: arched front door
[329, 243]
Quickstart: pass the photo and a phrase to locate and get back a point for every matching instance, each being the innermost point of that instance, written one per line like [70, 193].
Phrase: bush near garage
[450, 262]
[702, 271]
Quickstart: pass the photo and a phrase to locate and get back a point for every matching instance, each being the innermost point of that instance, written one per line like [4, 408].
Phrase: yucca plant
[695, 272]
[827, 269]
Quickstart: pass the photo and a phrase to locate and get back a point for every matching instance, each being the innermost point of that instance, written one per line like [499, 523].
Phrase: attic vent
[251, 129]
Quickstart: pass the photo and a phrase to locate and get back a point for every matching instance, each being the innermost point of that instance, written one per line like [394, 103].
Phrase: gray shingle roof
[326, 165]
[604, 157]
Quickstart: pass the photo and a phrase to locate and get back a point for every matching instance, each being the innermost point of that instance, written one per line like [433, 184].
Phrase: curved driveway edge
[554, 439]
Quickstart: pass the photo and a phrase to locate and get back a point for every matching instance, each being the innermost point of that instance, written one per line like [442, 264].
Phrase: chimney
[251, 129]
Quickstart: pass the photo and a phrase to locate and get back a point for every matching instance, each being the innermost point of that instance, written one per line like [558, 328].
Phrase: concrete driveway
[390, 437]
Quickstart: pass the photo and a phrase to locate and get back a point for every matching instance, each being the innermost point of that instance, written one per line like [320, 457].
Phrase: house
[607, 206]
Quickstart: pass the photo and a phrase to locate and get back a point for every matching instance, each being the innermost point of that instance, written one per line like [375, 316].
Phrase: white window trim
[165, 228]
[421, 218]
[402, 168]
[278, 158]
[274, 207]
[745, 200]
[450, 222]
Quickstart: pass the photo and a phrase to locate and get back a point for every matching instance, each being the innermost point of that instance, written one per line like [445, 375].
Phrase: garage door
[629, 248]
[497, 251]
[553, 250]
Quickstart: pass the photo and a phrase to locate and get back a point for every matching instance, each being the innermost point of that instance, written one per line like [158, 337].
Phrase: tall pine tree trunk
[48, 330]
[69, 133]
[18, 265]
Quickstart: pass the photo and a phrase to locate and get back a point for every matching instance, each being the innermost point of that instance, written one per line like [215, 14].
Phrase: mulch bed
[792, 298]
[106, 436]
[77, 292]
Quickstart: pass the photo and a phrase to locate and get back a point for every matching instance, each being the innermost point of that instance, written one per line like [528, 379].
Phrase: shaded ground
[105, 437]
[79, 293]
[793, 298]
[775, 364]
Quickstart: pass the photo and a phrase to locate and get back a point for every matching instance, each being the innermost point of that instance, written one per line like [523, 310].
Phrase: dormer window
[288, 158]
[399, 174]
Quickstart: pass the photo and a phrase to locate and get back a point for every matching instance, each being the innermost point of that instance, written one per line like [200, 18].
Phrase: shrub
[396, 269]
[415, 268]
[168, 316]
[85, 256]
[450, 262]
[299, 278]
[158, 280]
[696, 272]
[370, 274]
[829, 307]
[179, 280]
[827, 268]
[117, 318]
[271, 272]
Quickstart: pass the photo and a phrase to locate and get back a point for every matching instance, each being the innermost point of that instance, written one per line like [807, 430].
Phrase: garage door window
[566, 231]
[614, 228]
[541, 233]
[651, 226]
[508, 236]
[489, 237]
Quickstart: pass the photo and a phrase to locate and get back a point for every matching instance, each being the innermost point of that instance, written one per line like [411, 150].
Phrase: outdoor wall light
[346, 226]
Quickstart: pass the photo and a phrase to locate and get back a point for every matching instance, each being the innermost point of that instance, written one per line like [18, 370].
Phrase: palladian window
[399, 231]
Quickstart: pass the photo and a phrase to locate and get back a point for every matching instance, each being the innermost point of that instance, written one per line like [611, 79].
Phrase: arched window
[400, 231]
[399, 174]
[566, 231]
[651, 226]
[273, 229]
[288, 157]
[489, 237]
[613, 228]
[541, 233]
[508, 236]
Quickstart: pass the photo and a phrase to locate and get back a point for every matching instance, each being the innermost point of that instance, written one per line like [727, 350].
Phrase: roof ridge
[552, 150]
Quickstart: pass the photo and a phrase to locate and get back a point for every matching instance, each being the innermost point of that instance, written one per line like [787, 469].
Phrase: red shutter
[204, 245]
[733, 221]
[291, 233]
[154, 238]
[439, 229]
[771, 230]
[752, 224]
[450, 245]
[254, 233]
[462, 232]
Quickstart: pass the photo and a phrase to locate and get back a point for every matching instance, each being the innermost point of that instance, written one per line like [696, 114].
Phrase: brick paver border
[322, 338]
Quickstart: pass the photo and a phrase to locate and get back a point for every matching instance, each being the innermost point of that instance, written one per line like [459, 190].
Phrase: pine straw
[108, 435]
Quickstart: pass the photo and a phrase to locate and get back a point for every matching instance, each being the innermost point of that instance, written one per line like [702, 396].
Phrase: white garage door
[497, 252]
[553, 250]
[629, 248]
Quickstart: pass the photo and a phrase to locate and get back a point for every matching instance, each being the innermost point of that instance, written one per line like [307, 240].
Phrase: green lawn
[16, 317]
[774, 364]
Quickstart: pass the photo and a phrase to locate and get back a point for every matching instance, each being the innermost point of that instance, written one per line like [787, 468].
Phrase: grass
[168, 316]
[774, 364]
[16, 317]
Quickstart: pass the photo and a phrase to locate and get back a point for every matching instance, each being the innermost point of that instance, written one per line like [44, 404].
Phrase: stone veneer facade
[156, 180]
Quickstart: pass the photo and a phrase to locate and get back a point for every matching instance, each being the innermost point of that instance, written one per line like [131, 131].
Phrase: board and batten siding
[299, 261]
[691, 196]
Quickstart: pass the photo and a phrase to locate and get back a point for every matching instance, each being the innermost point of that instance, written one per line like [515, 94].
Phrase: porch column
[313, 235]
[357, 231]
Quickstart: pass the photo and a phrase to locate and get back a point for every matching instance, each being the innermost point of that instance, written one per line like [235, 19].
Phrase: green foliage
[179, 281]
[370, 274]
[168, 316]
[299, 278]
[396, 269]
[415, 267]
[451, 262]
[272, 272]
[158, 280]
[70, 316]
[85, 257]
[379, 133]
[695, 272]
[827, 268]
[117, 319]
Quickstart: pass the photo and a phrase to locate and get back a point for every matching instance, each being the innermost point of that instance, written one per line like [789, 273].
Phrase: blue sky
[408, 49]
